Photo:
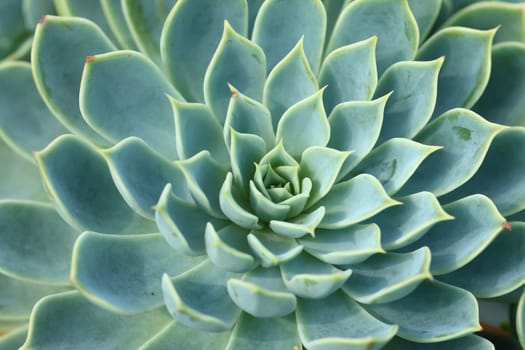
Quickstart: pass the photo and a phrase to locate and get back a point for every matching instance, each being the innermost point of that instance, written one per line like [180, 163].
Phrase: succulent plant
[265, 174]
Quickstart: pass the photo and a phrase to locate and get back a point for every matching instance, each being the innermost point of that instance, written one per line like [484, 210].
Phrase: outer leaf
[276, 333]
[114, 14]
[32, 229]
[60, 48]
[391, 21]
[290, 81]
[145, 19]
[123, 94]
[350, 73]
[465, 138]
[184, 295]
[498, 270]
[79, 182]
[278, 27]
[469, 342]
[188, 24]
[82, 325]
[505, 105]
[414, 92]
[466, 70]
[118, 272]
[12, 29]
[325, 324]
[433, 312]
[425, 13]
[25, 122]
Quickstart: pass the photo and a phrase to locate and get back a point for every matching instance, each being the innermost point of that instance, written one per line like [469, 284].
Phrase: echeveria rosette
[298, 189]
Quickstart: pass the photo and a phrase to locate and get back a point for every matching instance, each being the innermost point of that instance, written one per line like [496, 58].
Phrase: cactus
[270, 174]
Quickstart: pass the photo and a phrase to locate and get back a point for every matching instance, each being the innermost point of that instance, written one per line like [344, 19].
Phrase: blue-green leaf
[298, 226]
[466, 70]
[469, 342]
[60, 48]
[14, 339]
[185, 293]
[425, 14]
[272, 249]
[278, 27]
[190, 36]
[114, 14]
[236, 208]
[392, 22]
[520, 320]
[33, 10]
[239, 62]
[245, 151]
[12, 29]
[123, 94]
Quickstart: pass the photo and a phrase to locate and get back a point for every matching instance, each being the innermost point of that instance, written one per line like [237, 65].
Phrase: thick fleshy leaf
[141, 174]
[289, 82]
[272, 249]
[387, 277]
[350, 245]
[246, 115]
[308, 277]
[456, 242]
[262, 293]
[20, 180]
[466, 69]
[498, 270]
[239, 62]
[245, 152]
[433, 312]
[190, 37]
[69, 321]
[394, 162]
[304, 125]
[299, 226]
[502, 101]
[500, 176]
[234, 207]
[33, 10]
[80, 184]
[196, 129]
[37, 243]
[264, 333]
[321, 165]
[12, 29]
[264, 208]
[508, 18]
[17, 297]
[123, 94]
[114, 14]
[355, 126]
[414, 92]
[392, 22]
[465, 138]
[350, 73]
[25, 121]
[277, 29]
[337, 322]
[123, 273]
[184, 296]
[14, 339]
[425, 13]
[182, 223]
[145, 20]
[469, 342]
[403, 224]
[228, 248]
[204, 177]
[353, 201]
[520, 320]
[60, 48]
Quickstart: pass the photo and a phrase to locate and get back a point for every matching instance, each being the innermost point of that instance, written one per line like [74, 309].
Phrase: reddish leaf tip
[89, 58]
[507, 226]
[42, 19]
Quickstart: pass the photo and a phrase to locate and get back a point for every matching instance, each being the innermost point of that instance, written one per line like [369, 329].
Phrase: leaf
[123, 94]
[272, 249]
[239, 62]
[391, 21]
[37, 243]
[290, 81]
[466, 69]
[114, 14]
[298, 226]
[425, 13]
[414, 91]
[245, 151]
[337, 322]
[234, 207]
[508, 68]
[118, 272]
[433, 312]
[60, 47]
[468, 342]
[14, 339]
[498, 270]
[67, 320]
[184, 294]
[520, 320]
[186, 25]
[349, 73]
[277, 29]
[13, 29]
[79, 182]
